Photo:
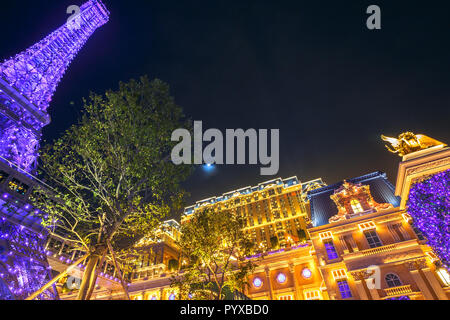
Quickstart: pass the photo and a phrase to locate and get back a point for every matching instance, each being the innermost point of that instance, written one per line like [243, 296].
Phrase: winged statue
[409, 142]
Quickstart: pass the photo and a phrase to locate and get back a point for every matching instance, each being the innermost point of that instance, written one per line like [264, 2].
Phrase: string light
[429, 206]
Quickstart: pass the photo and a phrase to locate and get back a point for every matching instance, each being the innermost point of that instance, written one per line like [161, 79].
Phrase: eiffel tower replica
[27, 83]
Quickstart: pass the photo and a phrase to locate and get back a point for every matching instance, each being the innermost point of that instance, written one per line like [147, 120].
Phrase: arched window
[392, 280]
[356, 206]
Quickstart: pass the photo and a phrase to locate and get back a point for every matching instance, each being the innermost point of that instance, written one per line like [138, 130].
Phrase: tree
[213, 254]
[110, 176]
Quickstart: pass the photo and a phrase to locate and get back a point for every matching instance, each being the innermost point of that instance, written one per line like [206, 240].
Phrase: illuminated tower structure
[275, 211]
[29, 79]
[27, 83]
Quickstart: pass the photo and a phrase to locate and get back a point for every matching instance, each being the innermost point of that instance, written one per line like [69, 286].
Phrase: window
[356, 206]
[257, 282]
[3, 176]
[324, 235]
[286, 297]
[417, 232]
[367, 226]
[392, 280]
[331, 250]
[348, 239]
[445, 277]
[281, 277]
[372, 238]
[306, 273]
[398, 232]
[344, 289]
[312, 295]
[339, 274]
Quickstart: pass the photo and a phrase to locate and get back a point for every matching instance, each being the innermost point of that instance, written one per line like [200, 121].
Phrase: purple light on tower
[429, 206]
[29, 79]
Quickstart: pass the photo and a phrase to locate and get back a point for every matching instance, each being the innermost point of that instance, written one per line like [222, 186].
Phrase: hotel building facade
[353, 240]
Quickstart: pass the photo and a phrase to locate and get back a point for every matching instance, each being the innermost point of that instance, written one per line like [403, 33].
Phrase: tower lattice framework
[27, 83]
[29, 79]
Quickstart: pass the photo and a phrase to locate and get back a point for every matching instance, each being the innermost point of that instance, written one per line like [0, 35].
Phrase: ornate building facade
[276, 211]
[368, 249]
[361, 241]
[360, 238]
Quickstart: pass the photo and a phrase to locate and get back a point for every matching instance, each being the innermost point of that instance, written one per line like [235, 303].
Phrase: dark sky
[309, 68]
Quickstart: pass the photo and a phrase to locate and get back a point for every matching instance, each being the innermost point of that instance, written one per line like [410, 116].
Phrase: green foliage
[111, 176]
[213, 248]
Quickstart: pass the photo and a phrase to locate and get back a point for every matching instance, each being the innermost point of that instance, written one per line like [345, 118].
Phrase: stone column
[414, 268]
[292, 271]
[361, 285]
[374, 293]
[267, 271]
[344, 245]
[362, 293]
[434, 283]
[403, 232]
[353, 243]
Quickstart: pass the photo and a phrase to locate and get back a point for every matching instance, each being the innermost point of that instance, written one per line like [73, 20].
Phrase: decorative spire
[29, 80]
[36, 72]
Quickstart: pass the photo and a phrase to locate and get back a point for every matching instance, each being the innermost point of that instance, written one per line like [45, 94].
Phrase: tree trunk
[125, 289]
[94, 281]
[88, 275]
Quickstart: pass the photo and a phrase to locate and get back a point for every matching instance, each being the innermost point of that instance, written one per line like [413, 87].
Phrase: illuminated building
[364, 244]
[276, 214]
[361, 242]
[276, 211]
[371, 243]
[27, 83]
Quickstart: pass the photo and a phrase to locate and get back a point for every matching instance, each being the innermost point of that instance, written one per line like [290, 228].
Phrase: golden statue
[409, 142]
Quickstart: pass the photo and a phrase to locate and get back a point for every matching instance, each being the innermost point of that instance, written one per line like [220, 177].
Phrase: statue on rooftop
[409, 142]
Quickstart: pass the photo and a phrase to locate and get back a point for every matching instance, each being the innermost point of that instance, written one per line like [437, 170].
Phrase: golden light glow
[356, 206]
[445, 277]
[312, 295]
[367, 226]
[339, 274]
[409, 142]
[407, 217]
[325, 235]
[433, 257]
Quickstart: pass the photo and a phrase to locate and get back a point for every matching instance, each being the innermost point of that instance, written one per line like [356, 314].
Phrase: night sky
[309, 68]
